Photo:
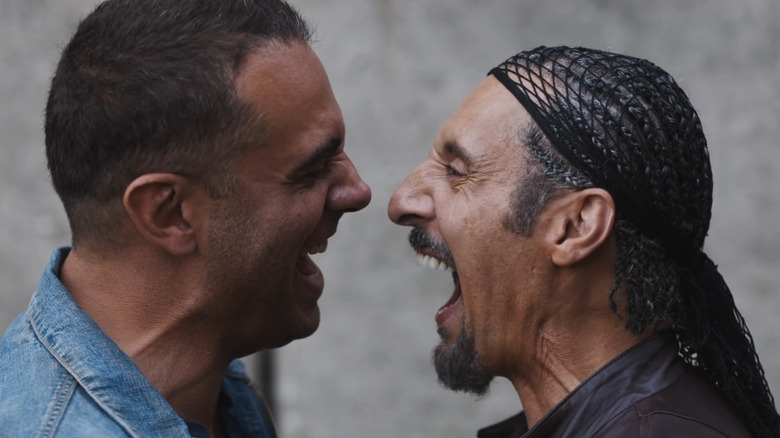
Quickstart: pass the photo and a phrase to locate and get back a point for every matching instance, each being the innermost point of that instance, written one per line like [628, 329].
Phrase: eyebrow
[322, 153]
[452, 147]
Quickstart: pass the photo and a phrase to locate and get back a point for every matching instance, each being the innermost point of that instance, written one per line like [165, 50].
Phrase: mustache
[422, 241]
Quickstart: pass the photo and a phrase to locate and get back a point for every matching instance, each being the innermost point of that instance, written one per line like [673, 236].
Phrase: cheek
[292, 213]
[492, 280]
[478, 305]
[306, 206]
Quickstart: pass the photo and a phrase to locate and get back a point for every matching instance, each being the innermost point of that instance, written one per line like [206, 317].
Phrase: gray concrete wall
[399, 68]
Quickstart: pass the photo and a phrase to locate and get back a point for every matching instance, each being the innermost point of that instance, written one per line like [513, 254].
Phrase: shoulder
[687, 408]
[39, 397]
[29, 379]
[662, 424]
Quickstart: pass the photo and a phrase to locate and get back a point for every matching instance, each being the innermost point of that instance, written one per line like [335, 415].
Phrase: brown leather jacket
[647, 392]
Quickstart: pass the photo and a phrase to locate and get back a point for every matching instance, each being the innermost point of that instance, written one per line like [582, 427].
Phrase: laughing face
[289, 195]
[458, 202]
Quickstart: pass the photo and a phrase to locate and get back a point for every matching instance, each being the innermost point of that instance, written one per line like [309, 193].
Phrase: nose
[349, 193]
[411, 203]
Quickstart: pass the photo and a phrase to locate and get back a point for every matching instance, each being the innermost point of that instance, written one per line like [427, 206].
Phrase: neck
[571, 336]
[562, 361]
[154, 318]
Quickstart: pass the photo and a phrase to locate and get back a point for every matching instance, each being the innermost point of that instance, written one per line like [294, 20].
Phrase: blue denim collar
[108, 375]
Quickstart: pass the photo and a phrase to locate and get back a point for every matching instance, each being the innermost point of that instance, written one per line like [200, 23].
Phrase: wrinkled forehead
[489, 115]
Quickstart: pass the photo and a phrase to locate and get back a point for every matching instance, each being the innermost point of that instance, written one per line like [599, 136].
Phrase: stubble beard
[244, 274]
[459, 367]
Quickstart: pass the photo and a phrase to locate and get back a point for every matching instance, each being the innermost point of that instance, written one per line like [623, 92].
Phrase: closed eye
[451, 171]
[317, 165]
[315, 173]
[456, 168]
[320, 170]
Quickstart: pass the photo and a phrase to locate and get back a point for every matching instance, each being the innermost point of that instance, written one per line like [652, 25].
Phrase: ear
[583, 222]
[165, 209]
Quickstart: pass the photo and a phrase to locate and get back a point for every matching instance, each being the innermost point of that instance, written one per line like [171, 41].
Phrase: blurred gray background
[399, 68]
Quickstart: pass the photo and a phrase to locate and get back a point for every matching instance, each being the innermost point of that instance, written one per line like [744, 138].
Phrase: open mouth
[317, 248]
[308, 281]
[440, 265]
[305, 264]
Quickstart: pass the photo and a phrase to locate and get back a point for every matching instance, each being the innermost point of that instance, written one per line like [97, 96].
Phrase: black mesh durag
[629, 128]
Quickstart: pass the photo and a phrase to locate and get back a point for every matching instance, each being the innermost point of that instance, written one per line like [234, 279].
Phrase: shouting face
[459, 203]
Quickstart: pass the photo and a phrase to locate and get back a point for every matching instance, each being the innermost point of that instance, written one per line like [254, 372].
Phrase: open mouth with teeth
[308, 272]
[306, 265]
[318, 248]
[455, 300]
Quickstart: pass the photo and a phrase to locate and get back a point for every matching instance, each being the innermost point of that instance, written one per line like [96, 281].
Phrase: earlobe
[160, 207]
[587, 221]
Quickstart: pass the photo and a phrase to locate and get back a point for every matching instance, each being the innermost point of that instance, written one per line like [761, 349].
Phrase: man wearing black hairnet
[570, 196]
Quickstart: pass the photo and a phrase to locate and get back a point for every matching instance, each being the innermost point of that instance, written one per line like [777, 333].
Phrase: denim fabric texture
[61, 376]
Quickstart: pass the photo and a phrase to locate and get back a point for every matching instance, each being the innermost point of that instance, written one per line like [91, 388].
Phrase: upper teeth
[318, 248]
[433, 263]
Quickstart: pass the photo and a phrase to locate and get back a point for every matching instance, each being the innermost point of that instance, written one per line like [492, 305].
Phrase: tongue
[306, 266]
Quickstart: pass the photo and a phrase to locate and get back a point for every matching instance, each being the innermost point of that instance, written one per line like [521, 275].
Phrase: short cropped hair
[149, 86]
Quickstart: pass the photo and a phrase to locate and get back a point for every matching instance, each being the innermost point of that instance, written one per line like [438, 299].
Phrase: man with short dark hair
[570, 196]
[198, 151]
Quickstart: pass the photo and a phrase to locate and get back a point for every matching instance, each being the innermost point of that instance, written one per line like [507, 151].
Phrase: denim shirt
[61, 376]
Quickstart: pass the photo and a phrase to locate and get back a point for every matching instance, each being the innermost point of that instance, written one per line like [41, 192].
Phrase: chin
[460, 368]
[285, 329]
[305, 325]
[309, 330]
